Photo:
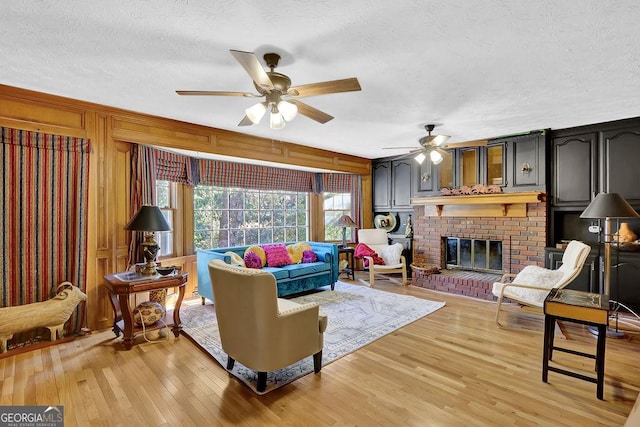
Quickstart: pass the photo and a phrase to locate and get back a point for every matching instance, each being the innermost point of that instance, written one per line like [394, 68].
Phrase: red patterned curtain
[227, 174]
[43, 223]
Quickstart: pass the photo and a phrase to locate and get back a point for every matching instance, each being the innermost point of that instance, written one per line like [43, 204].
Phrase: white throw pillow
[391, 254]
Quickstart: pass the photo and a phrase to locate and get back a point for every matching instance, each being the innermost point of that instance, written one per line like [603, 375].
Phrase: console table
[122, 285]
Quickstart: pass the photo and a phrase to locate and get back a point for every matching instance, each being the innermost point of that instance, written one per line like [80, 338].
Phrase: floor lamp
[608, 206]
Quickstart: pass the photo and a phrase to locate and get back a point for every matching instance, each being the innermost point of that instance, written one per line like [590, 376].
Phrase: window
[234, 216]
[335, 205]
[163, 201]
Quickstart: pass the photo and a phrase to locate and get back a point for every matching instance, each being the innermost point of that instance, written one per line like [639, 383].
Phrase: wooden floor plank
[453, 367]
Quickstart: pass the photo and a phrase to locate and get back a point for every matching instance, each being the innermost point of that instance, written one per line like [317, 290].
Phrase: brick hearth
[523, 241]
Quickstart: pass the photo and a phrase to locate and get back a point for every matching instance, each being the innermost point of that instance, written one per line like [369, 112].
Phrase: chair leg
[371, 277]
[404, 276]
[262, 381]
[230, 362]
[317, 362]
[498, 312]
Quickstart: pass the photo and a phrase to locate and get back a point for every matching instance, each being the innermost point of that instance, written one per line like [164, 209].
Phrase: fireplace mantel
[479, 205]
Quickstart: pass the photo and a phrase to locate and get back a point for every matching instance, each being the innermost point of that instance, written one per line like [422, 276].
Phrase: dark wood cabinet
[620, 153]
[587, 280]
[401, 183]
[423, 179]
[575, 177]
[392, 185]
[625, 279]
[525, 161]
[381, 185]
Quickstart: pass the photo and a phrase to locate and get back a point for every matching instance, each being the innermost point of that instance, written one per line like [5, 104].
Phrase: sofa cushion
[295, 252]
[252, 260]
[258, 251]
[277, 255]
[278, 272]
[309, 256]
[235, 258]
[298, 270]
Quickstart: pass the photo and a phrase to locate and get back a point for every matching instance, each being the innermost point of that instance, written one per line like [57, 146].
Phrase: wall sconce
[526, 168]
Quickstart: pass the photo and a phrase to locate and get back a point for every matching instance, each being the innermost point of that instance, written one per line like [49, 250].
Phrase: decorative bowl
[165, 271]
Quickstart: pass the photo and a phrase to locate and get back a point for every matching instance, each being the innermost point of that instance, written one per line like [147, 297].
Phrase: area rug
[357, 316]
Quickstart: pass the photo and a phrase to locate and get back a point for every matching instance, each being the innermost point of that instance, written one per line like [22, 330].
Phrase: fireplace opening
[474, 254]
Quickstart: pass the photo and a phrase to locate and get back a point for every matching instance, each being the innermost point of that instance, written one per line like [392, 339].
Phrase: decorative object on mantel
[466, 190]
[51, 314]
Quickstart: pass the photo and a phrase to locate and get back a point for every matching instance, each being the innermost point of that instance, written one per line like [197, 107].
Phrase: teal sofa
[290, 279]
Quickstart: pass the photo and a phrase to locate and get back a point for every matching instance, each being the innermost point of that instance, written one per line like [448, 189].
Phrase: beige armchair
[378, 240]
[260, 330]
[531, 286]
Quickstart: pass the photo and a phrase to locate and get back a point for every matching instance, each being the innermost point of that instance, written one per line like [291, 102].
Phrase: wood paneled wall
[111, 131]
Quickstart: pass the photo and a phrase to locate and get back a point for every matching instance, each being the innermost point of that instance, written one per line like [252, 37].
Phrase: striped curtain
[142, 191]
[228, 174]
[43, 226]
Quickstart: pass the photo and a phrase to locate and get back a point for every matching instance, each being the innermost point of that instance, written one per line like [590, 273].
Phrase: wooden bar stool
[578, 307]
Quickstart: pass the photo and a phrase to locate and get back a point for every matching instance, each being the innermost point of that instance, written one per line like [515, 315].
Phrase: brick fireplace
[518, 220]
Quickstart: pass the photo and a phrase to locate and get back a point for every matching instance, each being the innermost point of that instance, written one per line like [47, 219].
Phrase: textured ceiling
[477, 69]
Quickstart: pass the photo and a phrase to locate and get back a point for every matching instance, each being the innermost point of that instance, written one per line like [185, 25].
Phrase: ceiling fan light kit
[278, 93]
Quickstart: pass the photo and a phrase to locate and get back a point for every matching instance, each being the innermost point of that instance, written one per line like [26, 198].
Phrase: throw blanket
[363, 250]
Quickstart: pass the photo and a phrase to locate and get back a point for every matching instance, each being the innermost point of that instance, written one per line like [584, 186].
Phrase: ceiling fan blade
[401, 148]
[311, 112]
[217, 93]
[334, 86]
[250, 62]
[245, 122]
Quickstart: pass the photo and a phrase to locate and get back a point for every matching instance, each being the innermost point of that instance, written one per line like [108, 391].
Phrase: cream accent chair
[532, 285]
[260, 330]
[378, 240]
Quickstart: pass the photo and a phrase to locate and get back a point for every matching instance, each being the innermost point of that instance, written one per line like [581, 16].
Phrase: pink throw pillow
[252, 260]
[277, 255]
[309, 256]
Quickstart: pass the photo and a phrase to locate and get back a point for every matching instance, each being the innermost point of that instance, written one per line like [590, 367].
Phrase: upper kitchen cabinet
[620, 151]
[392, 184]
[575, 177]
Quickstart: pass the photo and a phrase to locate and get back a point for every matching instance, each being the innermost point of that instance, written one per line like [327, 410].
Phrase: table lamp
[149, 219]
[345, 221]
[607, 206]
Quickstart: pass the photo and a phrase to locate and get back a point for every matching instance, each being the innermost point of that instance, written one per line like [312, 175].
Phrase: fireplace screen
[474, 254]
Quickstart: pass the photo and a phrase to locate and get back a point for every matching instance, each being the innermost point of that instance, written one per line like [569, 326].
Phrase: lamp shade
[345, 221]
[148, 218]
[609, 205]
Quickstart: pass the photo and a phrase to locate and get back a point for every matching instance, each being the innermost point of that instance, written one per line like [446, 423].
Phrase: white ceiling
[477, 69]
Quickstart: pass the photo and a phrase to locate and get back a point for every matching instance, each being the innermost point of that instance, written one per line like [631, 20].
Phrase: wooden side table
[579, 307]
[122, 285]
[350, 269]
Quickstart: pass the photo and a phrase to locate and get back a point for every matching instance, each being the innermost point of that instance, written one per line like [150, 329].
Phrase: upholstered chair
[258, 329]
[531, 286]
[394, 261]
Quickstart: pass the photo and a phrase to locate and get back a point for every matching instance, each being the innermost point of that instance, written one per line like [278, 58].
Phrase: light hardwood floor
[451, 368]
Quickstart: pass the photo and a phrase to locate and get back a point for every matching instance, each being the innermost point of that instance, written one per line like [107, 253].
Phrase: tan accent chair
[378, 240]
[532, 285]
[260, 330]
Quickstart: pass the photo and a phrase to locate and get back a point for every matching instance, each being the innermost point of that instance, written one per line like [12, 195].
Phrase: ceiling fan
[431, 145]
[281, 99]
